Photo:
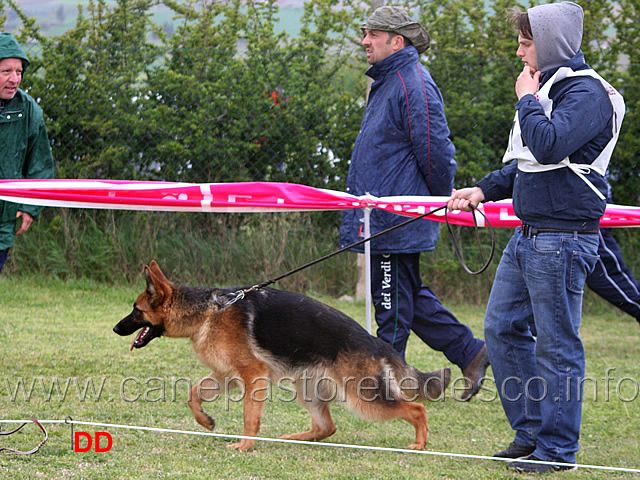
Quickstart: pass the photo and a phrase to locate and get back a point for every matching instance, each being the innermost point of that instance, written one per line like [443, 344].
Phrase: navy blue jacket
[580, 127]
[403, 148]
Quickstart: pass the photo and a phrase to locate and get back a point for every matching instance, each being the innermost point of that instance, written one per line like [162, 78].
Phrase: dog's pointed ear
[158, 286]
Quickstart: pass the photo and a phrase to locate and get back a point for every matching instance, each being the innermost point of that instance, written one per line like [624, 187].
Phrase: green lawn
[59, 358]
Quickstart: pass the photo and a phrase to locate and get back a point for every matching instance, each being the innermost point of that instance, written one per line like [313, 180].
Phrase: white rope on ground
[323, 444]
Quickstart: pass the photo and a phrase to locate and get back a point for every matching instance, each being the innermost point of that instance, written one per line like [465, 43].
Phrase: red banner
[255, 197]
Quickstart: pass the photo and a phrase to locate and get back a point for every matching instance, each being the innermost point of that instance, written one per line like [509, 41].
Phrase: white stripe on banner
[207, 196]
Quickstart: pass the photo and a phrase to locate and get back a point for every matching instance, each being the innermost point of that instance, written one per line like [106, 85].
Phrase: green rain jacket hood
[10, 48]
[25, 152]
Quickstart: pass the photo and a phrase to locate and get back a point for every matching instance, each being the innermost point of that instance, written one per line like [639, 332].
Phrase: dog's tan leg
[252, 418]
[322, 425]
[208, 389]
[382, 411]
[256, 388]
[416, 415]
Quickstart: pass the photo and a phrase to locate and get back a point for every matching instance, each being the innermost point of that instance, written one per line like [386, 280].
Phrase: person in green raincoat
[25, 152]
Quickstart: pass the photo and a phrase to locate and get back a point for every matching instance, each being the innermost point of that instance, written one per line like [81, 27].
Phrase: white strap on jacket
[528, 163]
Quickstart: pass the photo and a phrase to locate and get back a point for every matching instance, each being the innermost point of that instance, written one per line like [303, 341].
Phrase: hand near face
[527, 82]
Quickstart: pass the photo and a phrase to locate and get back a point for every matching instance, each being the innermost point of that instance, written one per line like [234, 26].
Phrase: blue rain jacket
[403, 148]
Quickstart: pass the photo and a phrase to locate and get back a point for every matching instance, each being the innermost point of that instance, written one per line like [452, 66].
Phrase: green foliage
[205, 249]
[227, 97]
[89, 86]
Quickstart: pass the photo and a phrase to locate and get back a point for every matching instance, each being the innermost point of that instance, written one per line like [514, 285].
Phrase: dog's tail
[429, 386]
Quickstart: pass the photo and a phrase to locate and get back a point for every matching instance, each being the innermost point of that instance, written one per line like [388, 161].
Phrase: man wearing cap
[403, 148]
[566, 125]
[24, 145]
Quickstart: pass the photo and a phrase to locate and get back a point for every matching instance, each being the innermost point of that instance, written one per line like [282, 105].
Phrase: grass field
[59, 358]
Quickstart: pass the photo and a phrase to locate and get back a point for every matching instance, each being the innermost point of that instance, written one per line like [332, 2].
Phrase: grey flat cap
[396, 20]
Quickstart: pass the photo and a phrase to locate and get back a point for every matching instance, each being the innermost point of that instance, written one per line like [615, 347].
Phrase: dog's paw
[204, 419]
[210, 422]
[417, 446]
[243, 446]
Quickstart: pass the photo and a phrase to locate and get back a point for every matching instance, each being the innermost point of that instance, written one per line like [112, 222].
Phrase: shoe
[525, 467]
[474, 374]
[516, 450]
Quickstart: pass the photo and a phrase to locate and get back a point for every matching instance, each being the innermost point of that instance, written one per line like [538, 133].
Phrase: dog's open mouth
[141, 339]
[145, 335]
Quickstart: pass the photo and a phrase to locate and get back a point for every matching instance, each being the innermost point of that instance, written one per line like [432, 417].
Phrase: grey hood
[557, 33]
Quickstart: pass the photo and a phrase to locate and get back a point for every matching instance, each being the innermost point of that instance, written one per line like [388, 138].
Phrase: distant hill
[57, 16]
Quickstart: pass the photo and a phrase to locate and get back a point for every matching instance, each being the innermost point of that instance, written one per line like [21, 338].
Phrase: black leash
[241, 293]
[459, 253]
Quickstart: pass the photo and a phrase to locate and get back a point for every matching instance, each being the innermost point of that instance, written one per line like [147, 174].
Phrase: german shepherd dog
[270, 335]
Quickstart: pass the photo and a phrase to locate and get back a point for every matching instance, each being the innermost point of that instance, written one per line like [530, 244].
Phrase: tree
[90, 89]
[223, 96]
[237, 100]
[60, 15]
[473, 61]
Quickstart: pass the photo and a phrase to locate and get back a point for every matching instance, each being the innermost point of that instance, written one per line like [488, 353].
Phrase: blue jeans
[539, 378]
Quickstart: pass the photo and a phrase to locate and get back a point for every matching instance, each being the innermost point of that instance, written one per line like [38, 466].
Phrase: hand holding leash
[465, 199]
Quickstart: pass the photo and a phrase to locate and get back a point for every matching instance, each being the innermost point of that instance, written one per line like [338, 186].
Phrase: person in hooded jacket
[24, 146]
[403, 148]
[566, 125]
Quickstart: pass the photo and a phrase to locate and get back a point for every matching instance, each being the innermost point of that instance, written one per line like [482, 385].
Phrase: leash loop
[457, 249]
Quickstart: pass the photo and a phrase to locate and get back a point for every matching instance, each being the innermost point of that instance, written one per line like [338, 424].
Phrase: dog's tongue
[139, 338]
